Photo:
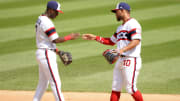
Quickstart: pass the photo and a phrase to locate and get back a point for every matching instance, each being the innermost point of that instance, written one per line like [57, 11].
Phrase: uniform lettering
[38, 22]
[124, 35]
[127, 63]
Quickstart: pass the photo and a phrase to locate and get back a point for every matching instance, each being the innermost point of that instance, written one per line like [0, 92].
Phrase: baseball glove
[110, 55]
[65, 57]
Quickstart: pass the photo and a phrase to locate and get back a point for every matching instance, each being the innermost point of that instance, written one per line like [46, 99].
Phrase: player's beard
[53, 15]
[119, 18]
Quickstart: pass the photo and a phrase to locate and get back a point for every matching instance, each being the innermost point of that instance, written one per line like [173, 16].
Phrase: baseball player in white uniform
[46, 39]
[128, 40]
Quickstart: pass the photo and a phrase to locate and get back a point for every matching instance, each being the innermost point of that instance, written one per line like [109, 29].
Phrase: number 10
[127, 63]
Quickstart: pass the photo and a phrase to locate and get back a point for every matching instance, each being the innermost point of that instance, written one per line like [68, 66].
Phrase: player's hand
[120, 52]
[74, 35]
[88, 37]
[114, 51]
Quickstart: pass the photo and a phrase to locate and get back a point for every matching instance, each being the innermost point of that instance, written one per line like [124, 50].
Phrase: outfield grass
[89, 70]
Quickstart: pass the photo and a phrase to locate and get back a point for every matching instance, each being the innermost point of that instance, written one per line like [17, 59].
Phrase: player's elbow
[54, 41]
[136, 41]
[58, 40]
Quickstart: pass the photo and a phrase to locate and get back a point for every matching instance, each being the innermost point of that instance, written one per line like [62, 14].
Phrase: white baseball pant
[125, 73]
[48, 73]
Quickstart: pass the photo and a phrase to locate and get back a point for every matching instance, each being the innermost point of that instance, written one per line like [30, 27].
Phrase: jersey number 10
[127, 63]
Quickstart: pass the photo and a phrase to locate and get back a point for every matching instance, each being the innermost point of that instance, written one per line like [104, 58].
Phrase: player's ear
[127, 11]
[49, 10]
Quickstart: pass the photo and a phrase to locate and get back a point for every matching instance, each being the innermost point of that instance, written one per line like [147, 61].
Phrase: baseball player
[46, 39]
[128, 40]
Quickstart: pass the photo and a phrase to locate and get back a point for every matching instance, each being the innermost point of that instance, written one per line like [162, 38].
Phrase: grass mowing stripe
[73, 25]
[16, 33]
[34, 10]
[152, 4]
[160, 35]
[13, 79]
[97, 82]
[140, 15]
[157, 12]
[157, 23]
[27, 58]
[149, 53]
[18, 21]
[106, 7]
[102, 20]
[146, 50]
[22, 12]
[25, 74]
[147, 25]
[153, 78]
[160, 76]
[99, 68]
[161, 51]
[28, 19]
[82, 13]
[6, 1]
[149, 82]
[18, 46]
[25, 20]
[17, 60]
[25, 3]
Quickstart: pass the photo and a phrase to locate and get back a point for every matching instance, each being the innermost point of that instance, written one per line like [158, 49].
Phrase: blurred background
[89, 71]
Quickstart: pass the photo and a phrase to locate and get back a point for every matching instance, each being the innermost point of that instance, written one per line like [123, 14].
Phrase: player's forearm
[131, 45]
[106, 41]
[62, 39]
[59, 40]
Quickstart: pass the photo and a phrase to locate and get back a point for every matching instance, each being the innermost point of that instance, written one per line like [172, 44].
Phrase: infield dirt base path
[81, 96]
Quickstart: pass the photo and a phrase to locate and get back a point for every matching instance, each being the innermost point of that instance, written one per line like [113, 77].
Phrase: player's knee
[116, 86]
[131, 90]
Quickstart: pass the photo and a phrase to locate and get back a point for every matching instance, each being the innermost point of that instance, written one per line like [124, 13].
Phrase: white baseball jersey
[125, 34]
[45, 33]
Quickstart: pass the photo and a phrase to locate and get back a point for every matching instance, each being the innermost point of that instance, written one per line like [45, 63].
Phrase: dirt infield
[77, 96]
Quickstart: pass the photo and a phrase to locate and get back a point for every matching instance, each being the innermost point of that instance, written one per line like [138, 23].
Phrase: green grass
[89, 70]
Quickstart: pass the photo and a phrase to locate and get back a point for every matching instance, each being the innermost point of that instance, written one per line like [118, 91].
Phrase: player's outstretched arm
[89, 37]
[71, 36]
[105, 41]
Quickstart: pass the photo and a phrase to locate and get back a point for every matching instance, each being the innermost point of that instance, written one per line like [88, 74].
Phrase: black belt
[53, 50]
[48, 49]
[123, 56]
